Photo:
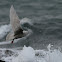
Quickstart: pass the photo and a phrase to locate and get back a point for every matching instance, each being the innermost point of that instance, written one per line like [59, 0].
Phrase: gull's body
[17, 31]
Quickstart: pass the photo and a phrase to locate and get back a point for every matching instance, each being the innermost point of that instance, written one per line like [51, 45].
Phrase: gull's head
[26, 32]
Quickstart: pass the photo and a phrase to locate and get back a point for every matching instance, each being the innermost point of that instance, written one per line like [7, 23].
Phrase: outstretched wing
[14, 21]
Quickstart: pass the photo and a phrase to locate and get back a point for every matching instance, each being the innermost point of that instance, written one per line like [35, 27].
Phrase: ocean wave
[26, 20]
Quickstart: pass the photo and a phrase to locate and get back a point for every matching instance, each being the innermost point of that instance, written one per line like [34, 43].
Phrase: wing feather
[14, 20]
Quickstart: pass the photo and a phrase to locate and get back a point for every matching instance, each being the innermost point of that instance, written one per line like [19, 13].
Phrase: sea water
[43, 19]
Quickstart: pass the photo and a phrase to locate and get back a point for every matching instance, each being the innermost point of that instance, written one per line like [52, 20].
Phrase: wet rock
[2, 61]
[9, 53]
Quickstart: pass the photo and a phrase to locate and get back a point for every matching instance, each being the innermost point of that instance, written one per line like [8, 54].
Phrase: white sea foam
[28, 54]
[4, 29]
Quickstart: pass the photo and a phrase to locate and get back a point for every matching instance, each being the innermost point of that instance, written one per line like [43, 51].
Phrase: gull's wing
[14, 21]
[10, 36]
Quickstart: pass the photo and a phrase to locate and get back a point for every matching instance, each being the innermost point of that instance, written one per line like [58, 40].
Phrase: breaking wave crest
[28, 54]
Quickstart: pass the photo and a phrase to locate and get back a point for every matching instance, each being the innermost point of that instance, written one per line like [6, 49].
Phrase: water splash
[4, 29]
[28, 54]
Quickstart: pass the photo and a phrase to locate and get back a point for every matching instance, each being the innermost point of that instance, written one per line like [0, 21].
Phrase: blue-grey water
[46, 16]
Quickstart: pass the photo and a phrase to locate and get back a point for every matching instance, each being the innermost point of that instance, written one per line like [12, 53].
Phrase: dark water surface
[46, 16]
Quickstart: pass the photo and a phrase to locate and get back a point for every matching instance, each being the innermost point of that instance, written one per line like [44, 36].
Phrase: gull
[17, 31]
